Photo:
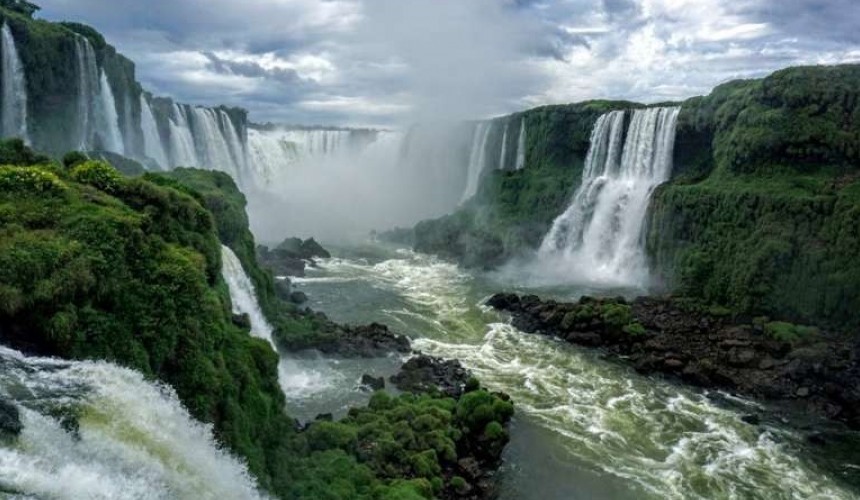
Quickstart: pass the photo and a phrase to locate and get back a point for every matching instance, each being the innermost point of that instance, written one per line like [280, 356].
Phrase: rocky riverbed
[817, 371]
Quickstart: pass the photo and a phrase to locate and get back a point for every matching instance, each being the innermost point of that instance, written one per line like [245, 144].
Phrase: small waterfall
[182, 150]
[242, 294]
[502, 158]
[521, 147]
[598, 237]
[134, 439]
[88, 87]
[477, 159]
[152, 146]
[14, 107]
[212, 150]
[107, 118]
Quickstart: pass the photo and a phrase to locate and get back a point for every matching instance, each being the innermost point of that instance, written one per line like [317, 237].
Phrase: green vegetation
[788, 332]
[95, 265]
[766, 223]
[514, 209]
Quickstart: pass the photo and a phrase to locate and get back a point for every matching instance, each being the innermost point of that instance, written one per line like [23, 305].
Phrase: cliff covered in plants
[514, 208]
[95, 265]
[81, 94]
[761, 216]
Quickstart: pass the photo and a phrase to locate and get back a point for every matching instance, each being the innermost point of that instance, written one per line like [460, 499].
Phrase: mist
[457, 61]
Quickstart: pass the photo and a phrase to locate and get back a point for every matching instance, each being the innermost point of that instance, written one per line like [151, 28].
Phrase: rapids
[586, 427]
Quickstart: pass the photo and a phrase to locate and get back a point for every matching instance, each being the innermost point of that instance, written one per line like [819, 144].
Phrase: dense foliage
[514, 208]
[763, 220]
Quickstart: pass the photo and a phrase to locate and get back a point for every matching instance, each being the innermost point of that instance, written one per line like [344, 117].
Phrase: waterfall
[88, 85]
[477, 159]
[237, 150]
[133, 438]
[212, 150]
[504, 148]
[599, 237]
[152, 146]
[182, 150]
[107, 119]
[521, 147]
[14, 107]
[242, 294]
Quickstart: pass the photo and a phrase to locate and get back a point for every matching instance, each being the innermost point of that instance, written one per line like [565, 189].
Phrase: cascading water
[291, 377]
[521, 147]
[14, 106]
[107, 118]
[212, 149]
[242, 294]
[234, 143]
[88, 87]
[151, 139]
[598, 238]
[477, 159]
[182, 150]
[504, 154]
[128, 438]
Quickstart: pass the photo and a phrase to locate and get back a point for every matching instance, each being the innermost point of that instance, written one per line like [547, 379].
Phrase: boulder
[371, 383]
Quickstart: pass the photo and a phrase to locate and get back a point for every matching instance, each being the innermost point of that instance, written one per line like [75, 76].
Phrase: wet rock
[712, 351]
[751, 419]
[425, 373]
[324, 417]
[243, 321]
[371, 383]
[298, 298]
[10, 420]
[368, 341]
[283, 289]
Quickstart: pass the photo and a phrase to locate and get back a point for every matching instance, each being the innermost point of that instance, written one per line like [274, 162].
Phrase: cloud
[389, 62]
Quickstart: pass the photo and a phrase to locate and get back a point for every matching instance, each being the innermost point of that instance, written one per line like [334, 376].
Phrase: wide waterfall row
[599, 237]
[95, 430]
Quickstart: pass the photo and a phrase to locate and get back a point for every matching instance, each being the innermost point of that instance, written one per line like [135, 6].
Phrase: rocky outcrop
[425, 373]
[291, 257]
[817, 371]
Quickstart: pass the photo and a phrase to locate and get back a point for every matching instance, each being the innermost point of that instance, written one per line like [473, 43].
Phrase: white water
[107, 118]
[521, 147]
[212, 149]
[606, 431]
[477, 159]
[152, 145]
[135, 440]
[243, 295]
[234, 143]
[14, 106]
[502, 157]
[598, 239]
[88, 87]
[293, 378]
[182, 149]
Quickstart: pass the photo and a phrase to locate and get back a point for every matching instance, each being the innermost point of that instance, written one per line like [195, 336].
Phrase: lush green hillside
[95, 265]
[514, 208]
[762, 214]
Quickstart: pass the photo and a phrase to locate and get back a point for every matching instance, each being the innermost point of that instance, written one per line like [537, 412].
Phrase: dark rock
[712, 351]
[324, 417]
[372, 383]
[310, 249]
[10, 420]
[283, 289]
[751, 419]
[298, 297]
[369, 341]
[425, 373]
[243, 321]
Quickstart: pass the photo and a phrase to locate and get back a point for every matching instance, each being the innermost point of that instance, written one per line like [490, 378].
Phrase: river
[586, 426]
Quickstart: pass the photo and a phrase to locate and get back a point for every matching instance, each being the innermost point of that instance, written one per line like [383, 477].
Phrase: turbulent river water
[586, 427]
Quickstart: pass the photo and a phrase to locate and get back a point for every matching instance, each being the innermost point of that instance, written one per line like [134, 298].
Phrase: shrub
[98, 174]
[616, 315]
[29, 181]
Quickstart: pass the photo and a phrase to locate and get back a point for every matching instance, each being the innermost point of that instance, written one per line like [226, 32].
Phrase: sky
[391, 62]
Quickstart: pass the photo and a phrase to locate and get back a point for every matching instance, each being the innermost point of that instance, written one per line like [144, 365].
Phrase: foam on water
[135, 440]
[663, 440]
